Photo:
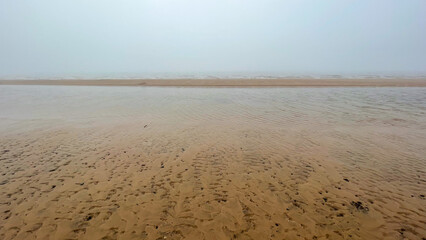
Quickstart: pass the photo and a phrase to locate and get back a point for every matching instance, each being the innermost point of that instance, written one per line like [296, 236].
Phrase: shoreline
[246, 82]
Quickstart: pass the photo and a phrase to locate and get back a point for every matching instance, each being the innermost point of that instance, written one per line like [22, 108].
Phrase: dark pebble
[359, 206]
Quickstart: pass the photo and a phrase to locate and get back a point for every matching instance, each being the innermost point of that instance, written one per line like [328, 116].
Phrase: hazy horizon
[97, 39]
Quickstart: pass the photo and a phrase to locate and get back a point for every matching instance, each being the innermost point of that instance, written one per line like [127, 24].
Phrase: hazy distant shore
[228, 82]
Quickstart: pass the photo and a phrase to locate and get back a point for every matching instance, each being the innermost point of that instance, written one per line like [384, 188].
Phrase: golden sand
[197, 171]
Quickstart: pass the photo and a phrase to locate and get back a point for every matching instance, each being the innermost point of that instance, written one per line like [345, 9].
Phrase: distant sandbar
[228, 82]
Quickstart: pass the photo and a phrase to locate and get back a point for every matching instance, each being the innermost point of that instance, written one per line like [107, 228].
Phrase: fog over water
[188, 38]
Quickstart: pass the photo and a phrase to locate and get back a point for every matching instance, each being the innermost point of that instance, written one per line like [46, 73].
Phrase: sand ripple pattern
[190, 163]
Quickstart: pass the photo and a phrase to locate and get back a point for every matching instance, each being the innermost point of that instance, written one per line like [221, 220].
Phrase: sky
[137, 37]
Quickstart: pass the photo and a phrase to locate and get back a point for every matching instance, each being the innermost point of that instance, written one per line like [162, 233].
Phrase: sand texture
[418, 82]
[181, 163]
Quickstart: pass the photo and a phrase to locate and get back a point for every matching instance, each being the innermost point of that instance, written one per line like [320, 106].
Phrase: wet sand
[212, 163]
[370, 82]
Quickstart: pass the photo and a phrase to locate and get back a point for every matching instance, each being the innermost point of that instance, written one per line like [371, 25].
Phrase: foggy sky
[61, 38]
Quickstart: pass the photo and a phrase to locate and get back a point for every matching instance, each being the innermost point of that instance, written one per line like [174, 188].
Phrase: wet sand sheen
[182, 163]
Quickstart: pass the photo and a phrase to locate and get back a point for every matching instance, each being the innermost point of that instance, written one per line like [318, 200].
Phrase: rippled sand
[218, 163]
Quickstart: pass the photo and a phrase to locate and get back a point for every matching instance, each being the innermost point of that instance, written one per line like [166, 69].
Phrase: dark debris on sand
[359, 206]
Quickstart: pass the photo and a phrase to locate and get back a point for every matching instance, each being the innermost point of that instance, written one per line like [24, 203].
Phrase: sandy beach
[82, 162]
[214, 120]
[285, 82]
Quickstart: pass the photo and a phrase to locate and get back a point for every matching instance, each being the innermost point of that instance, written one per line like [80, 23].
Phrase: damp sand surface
[80, 162]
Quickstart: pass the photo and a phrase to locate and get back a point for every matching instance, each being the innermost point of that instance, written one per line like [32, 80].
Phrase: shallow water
[213, 163]
[276, 106]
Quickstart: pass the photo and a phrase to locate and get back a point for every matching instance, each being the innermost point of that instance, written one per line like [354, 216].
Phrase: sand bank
[229, 82]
